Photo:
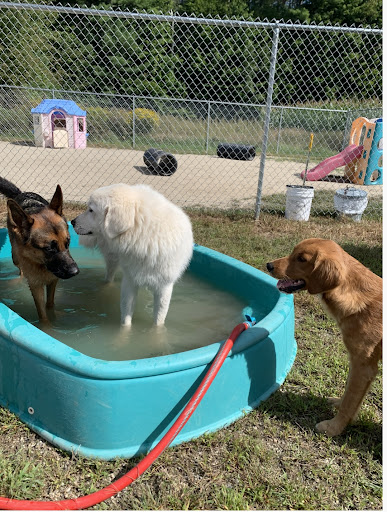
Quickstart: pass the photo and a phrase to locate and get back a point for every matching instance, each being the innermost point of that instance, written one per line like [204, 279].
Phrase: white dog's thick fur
[139, 230]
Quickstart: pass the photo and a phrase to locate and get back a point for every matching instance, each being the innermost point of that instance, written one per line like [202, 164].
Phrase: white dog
[147, 235]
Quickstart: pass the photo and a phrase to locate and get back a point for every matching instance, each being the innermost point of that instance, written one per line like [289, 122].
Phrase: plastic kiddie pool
[109, 409]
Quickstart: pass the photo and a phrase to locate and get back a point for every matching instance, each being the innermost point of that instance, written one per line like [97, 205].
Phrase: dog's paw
[109, 276]
[334, 401]
[126, 323]
[45, 325]
[329, 427]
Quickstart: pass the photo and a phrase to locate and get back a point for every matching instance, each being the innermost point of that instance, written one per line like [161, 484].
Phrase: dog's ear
[327, 275]
[115, 222]
[56, 203]
[18, 218]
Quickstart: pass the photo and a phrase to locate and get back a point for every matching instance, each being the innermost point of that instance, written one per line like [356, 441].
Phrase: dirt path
[203, 180]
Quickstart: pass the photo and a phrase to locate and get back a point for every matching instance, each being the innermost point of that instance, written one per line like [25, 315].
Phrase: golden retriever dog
[352, 294]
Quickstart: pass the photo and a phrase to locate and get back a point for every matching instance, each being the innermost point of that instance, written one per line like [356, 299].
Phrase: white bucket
[350, 202]
[298, 202]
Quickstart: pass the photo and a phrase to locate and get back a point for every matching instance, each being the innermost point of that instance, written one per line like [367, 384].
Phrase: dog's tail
[8, 189]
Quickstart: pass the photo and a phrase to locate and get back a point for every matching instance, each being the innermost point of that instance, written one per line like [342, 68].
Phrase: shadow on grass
[305, 410]
[371, 257]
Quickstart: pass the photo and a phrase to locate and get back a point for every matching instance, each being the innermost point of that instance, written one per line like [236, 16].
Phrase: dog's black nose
[68, 272]
[73, 270]
[270, 267]
[73, 222]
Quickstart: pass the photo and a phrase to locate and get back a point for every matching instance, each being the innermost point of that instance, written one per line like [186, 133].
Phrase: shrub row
[118, 121]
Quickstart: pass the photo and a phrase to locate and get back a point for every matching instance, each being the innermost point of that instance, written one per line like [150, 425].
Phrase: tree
[161, 6]
[26, 39]
[221, 63]
[348, 12]
[325, 67]
[136, 57]
[222, 8]
[293, 10]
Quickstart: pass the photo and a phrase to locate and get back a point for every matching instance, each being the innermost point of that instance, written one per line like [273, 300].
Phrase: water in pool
[88, 313]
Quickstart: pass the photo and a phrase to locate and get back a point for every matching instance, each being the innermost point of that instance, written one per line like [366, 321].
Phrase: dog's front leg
[161, 301]
[128, 299]
[111, 263]
[51, 294]
[360, 377]
[38, 295]
[50, 302]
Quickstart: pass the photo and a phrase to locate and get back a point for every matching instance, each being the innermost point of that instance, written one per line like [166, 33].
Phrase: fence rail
[183, 84]
[171, 18]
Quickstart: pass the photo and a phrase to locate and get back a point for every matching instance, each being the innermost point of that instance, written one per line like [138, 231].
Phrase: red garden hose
[132, 475]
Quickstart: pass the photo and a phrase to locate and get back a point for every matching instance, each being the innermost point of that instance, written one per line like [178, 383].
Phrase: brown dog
[352, 294]
[40, 241]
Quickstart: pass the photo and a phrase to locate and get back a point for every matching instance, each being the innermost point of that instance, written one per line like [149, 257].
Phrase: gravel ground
[200, 180]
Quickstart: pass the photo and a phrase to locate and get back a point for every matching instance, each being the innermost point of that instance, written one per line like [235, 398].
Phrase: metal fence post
[208, 125]
[279, 129]
[346, 129]
[270, 87]
[134, 122]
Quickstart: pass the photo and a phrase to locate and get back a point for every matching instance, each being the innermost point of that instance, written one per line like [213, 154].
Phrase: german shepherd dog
[40, 241]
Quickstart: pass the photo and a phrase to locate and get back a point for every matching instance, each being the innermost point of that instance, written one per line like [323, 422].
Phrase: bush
[121, 123]
[98, 122]
[145, 120]
[16, 122]
[103, 122]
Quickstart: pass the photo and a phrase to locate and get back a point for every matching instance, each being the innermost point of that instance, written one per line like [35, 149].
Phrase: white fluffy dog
[138, 229]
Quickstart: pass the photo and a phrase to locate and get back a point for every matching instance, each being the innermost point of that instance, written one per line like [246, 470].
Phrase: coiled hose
[132, 475]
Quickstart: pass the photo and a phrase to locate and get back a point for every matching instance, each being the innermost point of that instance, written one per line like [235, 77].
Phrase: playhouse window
[36, 119]
[58, 120]
[60, 123]
[81, 124]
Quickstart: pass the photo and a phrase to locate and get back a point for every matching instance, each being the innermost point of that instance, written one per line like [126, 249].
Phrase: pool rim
[26, 335]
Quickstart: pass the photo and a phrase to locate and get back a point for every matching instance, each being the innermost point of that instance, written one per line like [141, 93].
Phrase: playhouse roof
[69, 106]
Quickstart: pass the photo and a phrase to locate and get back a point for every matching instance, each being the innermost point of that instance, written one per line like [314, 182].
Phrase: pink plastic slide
[348, 155]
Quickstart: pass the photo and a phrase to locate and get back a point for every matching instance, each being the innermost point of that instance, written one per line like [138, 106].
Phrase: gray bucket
[350, 202]
[298, 202]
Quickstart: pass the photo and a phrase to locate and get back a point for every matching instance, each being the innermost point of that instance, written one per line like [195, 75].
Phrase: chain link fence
[186, 86]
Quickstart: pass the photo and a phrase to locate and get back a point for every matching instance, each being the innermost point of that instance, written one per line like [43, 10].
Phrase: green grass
[19, 478]
[182, 135]
[271, 459]
[187, 136]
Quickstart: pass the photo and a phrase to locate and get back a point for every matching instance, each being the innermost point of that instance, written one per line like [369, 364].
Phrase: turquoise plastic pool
[110, 409]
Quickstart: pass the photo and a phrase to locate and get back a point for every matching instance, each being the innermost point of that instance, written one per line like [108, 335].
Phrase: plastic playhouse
[59, 124]
[363, 158]
[368, 169]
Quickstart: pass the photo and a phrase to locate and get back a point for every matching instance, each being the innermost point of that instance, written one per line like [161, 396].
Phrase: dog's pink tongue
[281, 283]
